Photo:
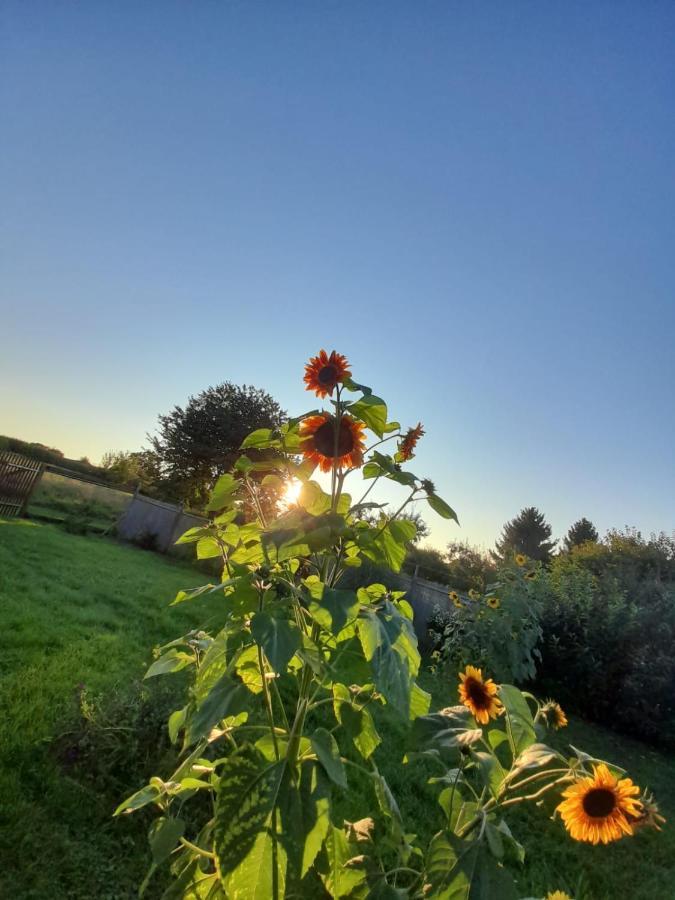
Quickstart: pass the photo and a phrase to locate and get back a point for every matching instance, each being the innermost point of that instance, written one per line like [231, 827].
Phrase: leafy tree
[468, 566]
[138, 468]
[581, 532]
[528, 533]
[201, 441]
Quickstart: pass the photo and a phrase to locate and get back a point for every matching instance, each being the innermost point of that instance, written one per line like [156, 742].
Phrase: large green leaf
[260, 439]
[172, 661]
[164, 835]
[331, 608]
[464, 870]
[226, 698]
[278, 638]
[339, 878]
[328, 753]
[251, 859]
[441, 507]
[373, 411]
[445, 731]
[223, 492]
[519, 719]
[389, 644]
[387, 545]
[357, 722]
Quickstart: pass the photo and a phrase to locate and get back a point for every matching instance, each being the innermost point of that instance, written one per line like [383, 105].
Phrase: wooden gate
[18, 477]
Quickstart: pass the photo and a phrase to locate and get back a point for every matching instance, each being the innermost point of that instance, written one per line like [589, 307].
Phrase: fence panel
[155, 523]
[18, 476]
[424, 596]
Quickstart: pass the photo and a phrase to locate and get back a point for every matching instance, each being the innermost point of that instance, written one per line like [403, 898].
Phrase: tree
[138, 468]
[580, 533]
[528, 533]
[469, 567]
[201, 441]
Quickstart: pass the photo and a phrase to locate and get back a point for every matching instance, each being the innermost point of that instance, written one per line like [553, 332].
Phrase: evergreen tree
[580, 533]
[528, 533]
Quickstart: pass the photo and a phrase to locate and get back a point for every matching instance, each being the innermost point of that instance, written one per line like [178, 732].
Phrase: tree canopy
[200, 441]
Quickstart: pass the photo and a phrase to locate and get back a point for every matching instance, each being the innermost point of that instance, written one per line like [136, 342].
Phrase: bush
[498, 630]
[609, 627]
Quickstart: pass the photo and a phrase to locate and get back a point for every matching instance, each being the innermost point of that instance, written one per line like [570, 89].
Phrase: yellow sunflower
[521, 559]
[531, 575]
[456, 600]
[318, 441]
[478, 695]
[554, 714]
[494, 602]
[557, 895]
[324, 372]
[597, 808]
[474, 595]
[409, 442]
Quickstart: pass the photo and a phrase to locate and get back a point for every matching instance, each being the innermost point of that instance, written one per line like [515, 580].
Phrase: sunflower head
[407, 446]
[531, 575]
[457, 602]
[328, 444]
[474, 595]
[428, 486]
[453, 595]
[650, 817]
[600, 808]
[557, 895]
[324, 372]
[521, 559]
[554, 715]
[494, 602]
[479, 695]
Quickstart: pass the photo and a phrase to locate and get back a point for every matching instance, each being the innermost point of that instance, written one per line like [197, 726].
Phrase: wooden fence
[18, 477]
[157, 524]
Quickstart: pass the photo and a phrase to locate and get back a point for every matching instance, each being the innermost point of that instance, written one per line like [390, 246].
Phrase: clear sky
[474, 202]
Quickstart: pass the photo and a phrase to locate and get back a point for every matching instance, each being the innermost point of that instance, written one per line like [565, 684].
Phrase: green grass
[73, 610]
[80, 504]
[84, 610]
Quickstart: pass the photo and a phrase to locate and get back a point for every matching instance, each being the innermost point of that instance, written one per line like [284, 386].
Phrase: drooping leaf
[339, 878]
[164, 835]
[331, 608]
[147, 794]
[328, 753]
[226, 698]
[260, 439]
[441, 507]
[278, 638]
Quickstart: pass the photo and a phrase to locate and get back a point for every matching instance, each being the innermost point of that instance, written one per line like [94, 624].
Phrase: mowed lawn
[87, 611]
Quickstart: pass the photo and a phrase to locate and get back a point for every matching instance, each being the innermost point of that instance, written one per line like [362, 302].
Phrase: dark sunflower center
[324, 439]
[599, 802]
[327, 375]
[477, 693]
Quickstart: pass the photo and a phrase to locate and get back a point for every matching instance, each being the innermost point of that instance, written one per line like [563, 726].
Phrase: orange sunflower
[324, 372]
[478, 695]
[318, 444]
[600, 808]
[409, 442]
[554, 715]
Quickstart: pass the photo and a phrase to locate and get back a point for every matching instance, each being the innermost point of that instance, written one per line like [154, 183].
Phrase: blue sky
[474, 202]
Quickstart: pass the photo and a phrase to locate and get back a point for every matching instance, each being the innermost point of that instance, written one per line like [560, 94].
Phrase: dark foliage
[580, 533]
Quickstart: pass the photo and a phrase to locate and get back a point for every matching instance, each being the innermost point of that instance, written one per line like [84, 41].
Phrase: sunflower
[407, 446]
[453, 595]
[479, 696]
[318, 441]
[323, 372]
[599, 808]
[494, 602]
[521, 559]
[554, 715]
[458, 603]
[531, 575]
[557, 895]
[649, 814]
[474, 595]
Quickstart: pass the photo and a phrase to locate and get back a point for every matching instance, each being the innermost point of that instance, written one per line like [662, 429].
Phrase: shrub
[609, 631]
[498, 629]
